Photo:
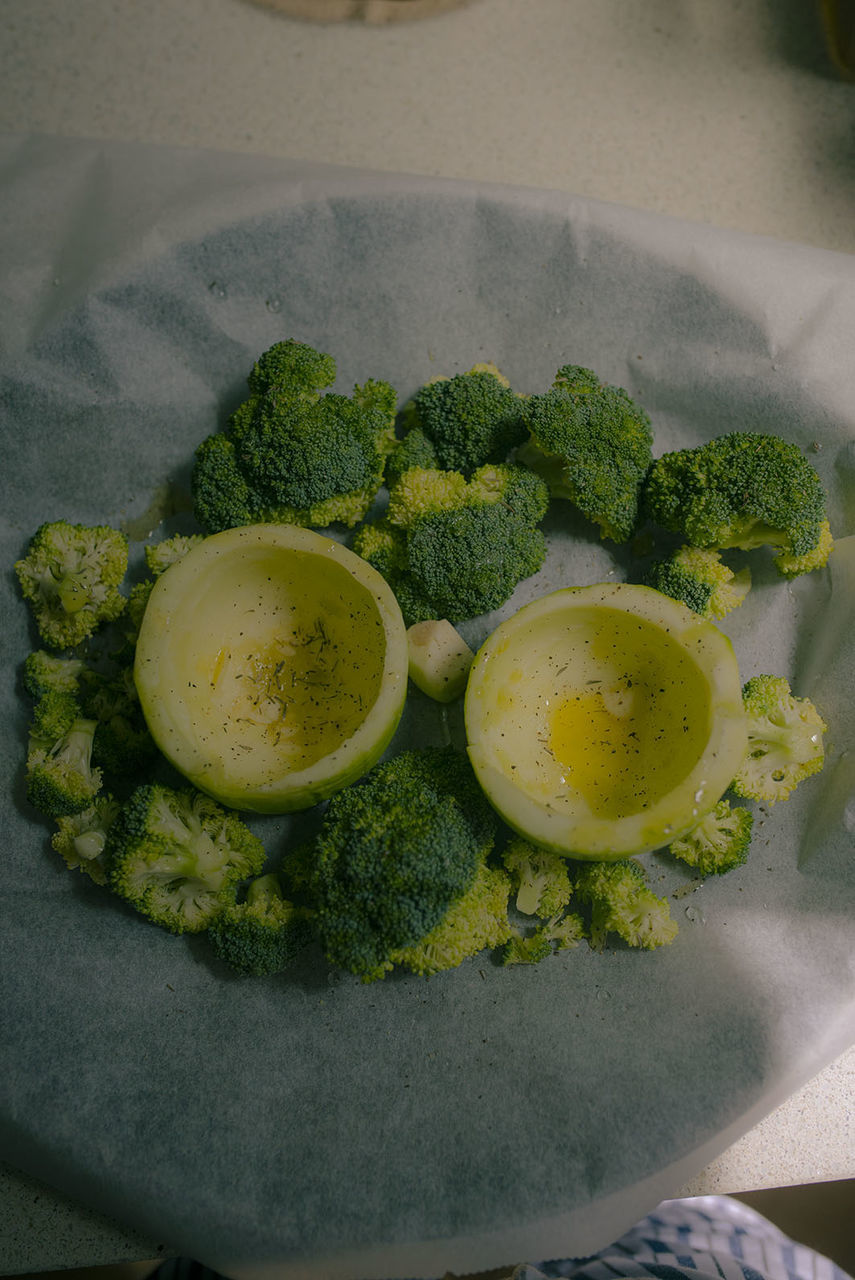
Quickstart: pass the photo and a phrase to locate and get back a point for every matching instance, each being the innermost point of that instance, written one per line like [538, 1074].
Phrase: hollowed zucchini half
[605, 721]
[271, 666]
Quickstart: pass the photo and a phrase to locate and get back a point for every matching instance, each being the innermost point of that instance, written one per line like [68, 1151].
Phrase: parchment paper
[307, 1124]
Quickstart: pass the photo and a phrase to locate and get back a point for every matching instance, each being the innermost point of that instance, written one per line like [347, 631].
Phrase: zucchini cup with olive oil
[605, 721]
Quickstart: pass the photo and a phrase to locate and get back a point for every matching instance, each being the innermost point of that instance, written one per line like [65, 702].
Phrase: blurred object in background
[838, 17]
[376, 11]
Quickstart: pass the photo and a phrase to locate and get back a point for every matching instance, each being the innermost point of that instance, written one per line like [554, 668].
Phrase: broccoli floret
[222, 496]
[292, 368]
[558, 933]
[53, 715]
[593, 445]
[263, 934]
[466, 563]
[384, 546]
[541, 878]
[295, 872]
[48, 672]
[61, 778]
[476, 921]
[123, 746]
[380, 397]
[462, 422]
[413, 450]
[454, 549]
[699, 578]
[719, 842]
[81, 838]
[160, 555]
[393, 853]
[71, 576]
[177, 856]
[745, 490]
[621, 903]
[291, 455]
[425, 492]
[516, 489]
[784, 740]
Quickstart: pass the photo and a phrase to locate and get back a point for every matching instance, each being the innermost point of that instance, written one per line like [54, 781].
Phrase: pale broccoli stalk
[785, 743]
[621, 903]
[719, 842]
[263, 934]
[61, 778]
[541, 878]
[160, 555]
[699, 578]
[177, 856]
[559, 933]
[439, 659]
[81, 838]
[475, 922]
[70, 576]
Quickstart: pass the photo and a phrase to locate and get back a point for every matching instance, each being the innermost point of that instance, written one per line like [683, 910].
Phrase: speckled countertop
[721, 111]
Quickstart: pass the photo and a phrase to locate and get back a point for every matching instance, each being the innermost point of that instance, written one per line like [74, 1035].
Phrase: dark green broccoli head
[393, 853]
[468, 562]
[452, 548]
[290, 455]
[71, 576]
[414, 449]
[298, 455]
[470, 419]
[746, 490]
[222, 498]
[592, 445]
[261, 935]
[293, 368]
[177, 856]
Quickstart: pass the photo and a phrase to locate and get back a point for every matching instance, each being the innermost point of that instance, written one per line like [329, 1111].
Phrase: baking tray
[309, 1124]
